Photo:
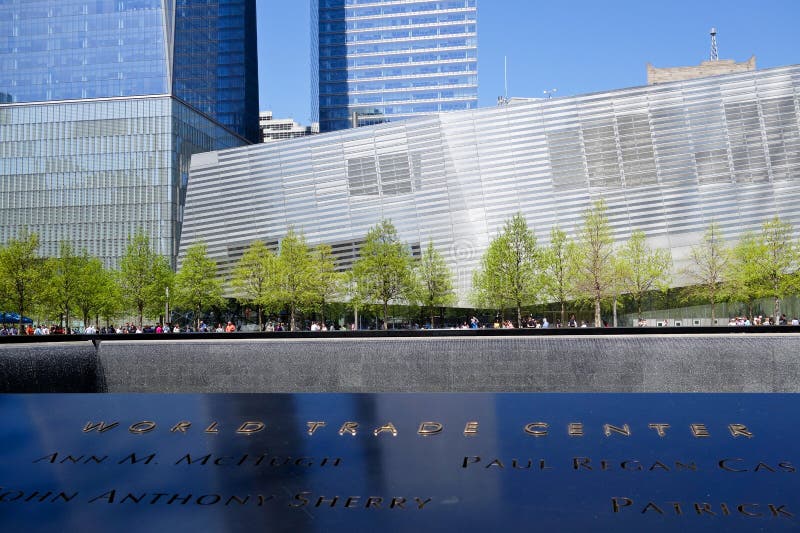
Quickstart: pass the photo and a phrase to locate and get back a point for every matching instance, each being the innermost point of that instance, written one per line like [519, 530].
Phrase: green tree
[95, 286]
[65, 278]
[509, 268]
[295, 282]
[594, 258]
[778, 262]
[557, 260]
[640, 269]
[384, 267]
[434, 281]
[489, 289]
[112, 303]
[197, 286]
[708, 263]
[744, 277]
[143, 277]
[21, 272]
[254, 277]
[327, 282]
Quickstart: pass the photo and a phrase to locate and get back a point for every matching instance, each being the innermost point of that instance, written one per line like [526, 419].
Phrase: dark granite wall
[607, 363]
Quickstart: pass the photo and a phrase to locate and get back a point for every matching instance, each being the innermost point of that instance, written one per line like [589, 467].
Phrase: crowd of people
[230, 327]
[128, 328]
[761, 320]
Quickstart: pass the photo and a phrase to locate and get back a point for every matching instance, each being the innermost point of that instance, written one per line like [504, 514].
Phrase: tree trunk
[291, 318]
[713, 312]
[21, 307]
[141, 314]
[260, 322]
[615, 311]
[563, 313]
[519, 315]
[597, 321]
[777, 308]
[432, 313]
[385, 315]
[355, 317]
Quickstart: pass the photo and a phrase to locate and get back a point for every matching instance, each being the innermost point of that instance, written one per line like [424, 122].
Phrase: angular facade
[102, 105]
[668, 159]
[386, 60]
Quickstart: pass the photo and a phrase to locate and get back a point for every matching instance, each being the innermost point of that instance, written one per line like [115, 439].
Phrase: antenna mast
[714, 52]
[503, 100]
[505, 77]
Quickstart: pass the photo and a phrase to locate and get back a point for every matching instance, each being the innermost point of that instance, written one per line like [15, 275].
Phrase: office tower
[103, 103]
[668, 159]
[388, 60]
[279, 129]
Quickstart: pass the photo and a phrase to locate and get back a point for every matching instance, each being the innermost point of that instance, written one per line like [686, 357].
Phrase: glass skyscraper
[383, 60]
[103, 103]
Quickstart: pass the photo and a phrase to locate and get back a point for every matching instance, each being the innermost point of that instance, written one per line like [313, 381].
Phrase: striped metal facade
[668, 159]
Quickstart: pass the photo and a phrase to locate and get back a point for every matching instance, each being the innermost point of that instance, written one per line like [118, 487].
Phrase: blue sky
[575, 46]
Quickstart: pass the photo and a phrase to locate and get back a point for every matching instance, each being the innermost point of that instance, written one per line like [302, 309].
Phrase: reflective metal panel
[668, 160]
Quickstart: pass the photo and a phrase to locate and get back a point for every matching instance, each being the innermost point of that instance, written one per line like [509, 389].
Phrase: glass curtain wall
[74, 49]
[388, 60]
[102, 105]
[94, 173]
[216, 63]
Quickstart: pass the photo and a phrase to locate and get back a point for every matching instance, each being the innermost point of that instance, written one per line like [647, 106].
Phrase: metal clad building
[668, 159]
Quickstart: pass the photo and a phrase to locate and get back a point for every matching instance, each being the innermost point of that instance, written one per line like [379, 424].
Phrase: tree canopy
[295, 286]
[509, 272]
[594, 257]
[143, 277]
[197, 286]
[557, 263]
[641, 269]
[255, 276]
[707, 266]
[22, 273]
[434, 281]
[384, 268]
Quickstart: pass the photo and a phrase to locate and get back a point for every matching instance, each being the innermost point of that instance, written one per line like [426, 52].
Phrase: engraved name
[621, 504]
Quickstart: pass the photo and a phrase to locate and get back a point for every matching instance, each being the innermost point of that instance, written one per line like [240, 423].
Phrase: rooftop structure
[278, 129]
[703, 70]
